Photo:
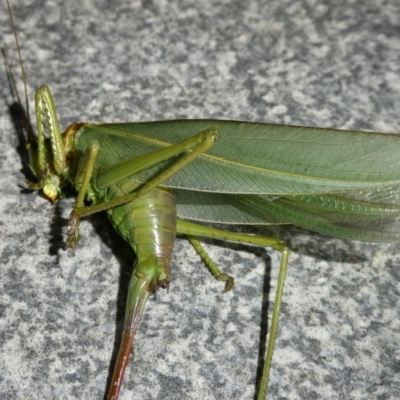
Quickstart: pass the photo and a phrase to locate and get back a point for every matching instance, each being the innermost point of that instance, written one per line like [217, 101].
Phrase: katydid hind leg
[120, 171]
[192, 230]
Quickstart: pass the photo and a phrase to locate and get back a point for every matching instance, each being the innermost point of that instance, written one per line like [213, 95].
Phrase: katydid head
[49, 156]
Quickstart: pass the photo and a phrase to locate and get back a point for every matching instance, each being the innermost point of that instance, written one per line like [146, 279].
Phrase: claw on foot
[229, 281]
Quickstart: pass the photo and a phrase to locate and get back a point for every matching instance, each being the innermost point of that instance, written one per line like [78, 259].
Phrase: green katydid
[110, 166]
[331, 193]
[269, 207]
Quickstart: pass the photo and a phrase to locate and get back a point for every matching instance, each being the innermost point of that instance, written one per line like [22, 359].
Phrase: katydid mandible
[158, 163]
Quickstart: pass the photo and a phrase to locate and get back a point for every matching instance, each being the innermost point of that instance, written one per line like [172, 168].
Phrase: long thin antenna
[10, 76]
[21, 64]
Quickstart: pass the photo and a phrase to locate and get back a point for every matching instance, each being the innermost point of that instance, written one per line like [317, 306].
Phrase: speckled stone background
[331, 64]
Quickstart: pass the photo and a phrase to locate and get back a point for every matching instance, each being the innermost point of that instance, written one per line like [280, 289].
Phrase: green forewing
[258, 158]
[342, 183]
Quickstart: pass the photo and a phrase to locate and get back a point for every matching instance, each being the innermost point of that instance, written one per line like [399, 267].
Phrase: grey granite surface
[331, 64]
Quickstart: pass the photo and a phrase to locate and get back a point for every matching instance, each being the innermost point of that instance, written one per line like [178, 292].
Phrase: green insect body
[103, 165]
[215, 171]
[157, 179]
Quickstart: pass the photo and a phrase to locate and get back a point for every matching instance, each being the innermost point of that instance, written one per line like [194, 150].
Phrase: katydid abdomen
[148, 224]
